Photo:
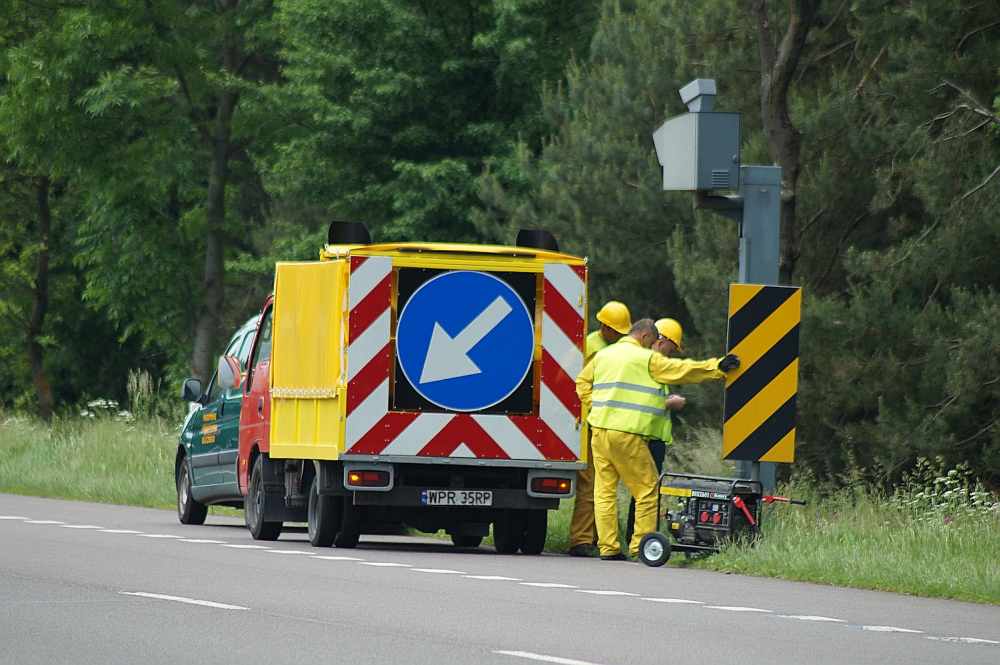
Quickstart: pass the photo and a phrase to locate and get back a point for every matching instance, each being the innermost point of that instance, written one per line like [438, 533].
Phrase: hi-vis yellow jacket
[624, 386]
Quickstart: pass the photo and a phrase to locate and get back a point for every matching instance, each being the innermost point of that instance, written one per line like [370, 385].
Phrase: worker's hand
[730, 362]
[674, 403]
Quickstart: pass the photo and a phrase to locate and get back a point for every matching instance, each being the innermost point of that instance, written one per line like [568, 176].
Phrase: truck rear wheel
[536, 524]
[508, 532]
[466, 541]
[350, 525]
[325, 513]
[188, 510]
[253, 506]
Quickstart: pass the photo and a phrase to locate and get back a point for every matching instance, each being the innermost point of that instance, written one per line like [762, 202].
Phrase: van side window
[263, 349]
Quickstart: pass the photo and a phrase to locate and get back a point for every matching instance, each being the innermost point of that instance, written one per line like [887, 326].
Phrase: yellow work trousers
[581, 529]
[626, 456]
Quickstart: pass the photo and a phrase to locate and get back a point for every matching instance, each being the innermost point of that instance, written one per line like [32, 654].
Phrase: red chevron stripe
[370, 308]
[560, 383]
[356, 262]
[368, 379]
[463, 429]
[563, 315]
[385, 432]
[543, 438]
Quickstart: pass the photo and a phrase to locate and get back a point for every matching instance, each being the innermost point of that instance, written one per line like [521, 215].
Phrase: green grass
[100, 459]
[855, 539]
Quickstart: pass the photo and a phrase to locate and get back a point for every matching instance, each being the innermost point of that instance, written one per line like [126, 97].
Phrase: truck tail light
[368, 479]
[551, 485]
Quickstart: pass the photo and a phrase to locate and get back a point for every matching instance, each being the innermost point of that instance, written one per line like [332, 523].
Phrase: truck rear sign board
[465, 340]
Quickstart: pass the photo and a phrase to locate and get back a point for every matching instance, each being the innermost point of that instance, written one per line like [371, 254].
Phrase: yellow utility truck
[426, 384]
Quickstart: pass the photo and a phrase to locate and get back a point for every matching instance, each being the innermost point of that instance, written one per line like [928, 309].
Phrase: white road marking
[181, 599]
[384, 565]
[550, 585]
[673, 600]
[728, 608]
[81, 526]
[159, 535]
[606, 593]
[201, 540]
[119, 531]
[967, 640]
[890, 629]
[337, 558]
[809, 617]
[498, 578]
[286, 552]
[544, 658]
[13, 517]
[248, 547]
[44, 522]
[439, 571]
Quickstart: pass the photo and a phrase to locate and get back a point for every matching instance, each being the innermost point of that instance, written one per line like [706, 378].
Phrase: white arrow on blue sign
[465, 340]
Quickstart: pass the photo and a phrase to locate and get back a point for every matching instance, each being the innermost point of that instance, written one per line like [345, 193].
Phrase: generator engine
[708, 510]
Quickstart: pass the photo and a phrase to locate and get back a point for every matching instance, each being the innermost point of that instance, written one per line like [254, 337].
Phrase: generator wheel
[654, 549]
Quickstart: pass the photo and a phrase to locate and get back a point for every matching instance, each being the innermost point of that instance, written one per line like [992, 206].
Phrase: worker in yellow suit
[624, 386]
[615, 322]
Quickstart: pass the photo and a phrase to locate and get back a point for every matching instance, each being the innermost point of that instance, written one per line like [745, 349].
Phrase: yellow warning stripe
[783, 450]
[764, 336]
[760, 408]
[741, 296]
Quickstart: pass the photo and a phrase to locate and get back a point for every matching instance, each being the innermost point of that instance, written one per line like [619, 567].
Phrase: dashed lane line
[544, 658]
[437, 571]
[597, 592]
[159, 535]
[967, 640]
[202, 540]
[247, 547]
[496, 578]
[13, 517]
[120, 531]
[809, 617]
[337, 558]
[382, 564]
[679, 601]
[182, 599]
[287, 552]
[735, 608]
[44, 522]
[550, 585]
[81, 526]
[891, 629]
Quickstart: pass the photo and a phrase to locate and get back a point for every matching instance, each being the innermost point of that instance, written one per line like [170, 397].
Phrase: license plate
[456, 498]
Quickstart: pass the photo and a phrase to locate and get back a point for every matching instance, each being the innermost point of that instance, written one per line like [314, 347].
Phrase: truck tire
[508, 532]
[253, 506]
[466, 541]
[350, 525]
[325, 513]
[188, 510]
[536, 524]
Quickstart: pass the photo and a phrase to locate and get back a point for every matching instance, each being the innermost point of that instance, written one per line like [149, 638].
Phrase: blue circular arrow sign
[465, 340]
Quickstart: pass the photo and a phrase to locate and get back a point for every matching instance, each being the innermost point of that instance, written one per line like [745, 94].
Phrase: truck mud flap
[275, 509]
[410, 496]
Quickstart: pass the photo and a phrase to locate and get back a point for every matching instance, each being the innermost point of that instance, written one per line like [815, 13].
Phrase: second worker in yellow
[624, 387]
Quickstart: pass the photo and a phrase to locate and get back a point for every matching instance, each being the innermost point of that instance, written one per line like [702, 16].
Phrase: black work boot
[585, 550]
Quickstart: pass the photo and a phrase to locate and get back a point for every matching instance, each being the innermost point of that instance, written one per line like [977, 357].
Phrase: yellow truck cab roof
[453, 255]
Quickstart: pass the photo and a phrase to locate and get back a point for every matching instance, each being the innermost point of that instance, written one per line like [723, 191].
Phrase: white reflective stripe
[367, 346]
[368, 275]
[509, 437]
[559, 346]
[635, 387]
[614, 404]
[418, 434]
[559, 419]
[367, 415]
[568, 283]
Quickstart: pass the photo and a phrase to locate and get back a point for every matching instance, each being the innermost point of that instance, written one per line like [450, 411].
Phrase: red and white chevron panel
[371, 429]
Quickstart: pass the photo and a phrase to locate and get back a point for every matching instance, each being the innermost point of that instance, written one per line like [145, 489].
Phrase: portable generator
[709, 511]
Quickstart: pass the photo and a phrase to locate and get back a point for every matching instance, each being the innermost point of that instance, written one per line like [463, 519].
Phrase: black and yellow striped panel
[760, 395]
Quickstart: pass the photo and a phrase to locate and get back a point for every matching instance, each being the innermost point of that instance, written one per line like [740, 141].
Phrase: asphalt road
[83, 583]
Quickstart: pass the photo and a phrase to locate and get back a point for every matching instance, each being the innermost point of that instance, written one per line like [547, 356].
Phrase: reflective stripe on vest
[625, 397]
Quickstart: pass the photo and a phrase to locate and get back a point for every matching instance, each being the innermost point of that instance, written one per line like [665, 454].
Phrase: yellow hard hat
[615, 316]
[671, 330]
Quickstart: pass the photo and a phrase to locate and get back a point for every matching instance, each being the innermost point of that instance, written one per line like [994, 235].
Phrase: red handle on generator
[771, 499]
[739, 503]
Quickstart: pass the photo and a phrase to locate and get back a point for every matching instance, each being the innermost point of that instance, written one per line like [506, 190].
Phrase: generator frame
[716, 490]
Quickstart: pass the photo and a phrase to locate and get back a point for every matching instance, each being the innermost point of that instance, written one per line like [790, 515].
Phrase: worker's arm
[585, 383]
[676, 371]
